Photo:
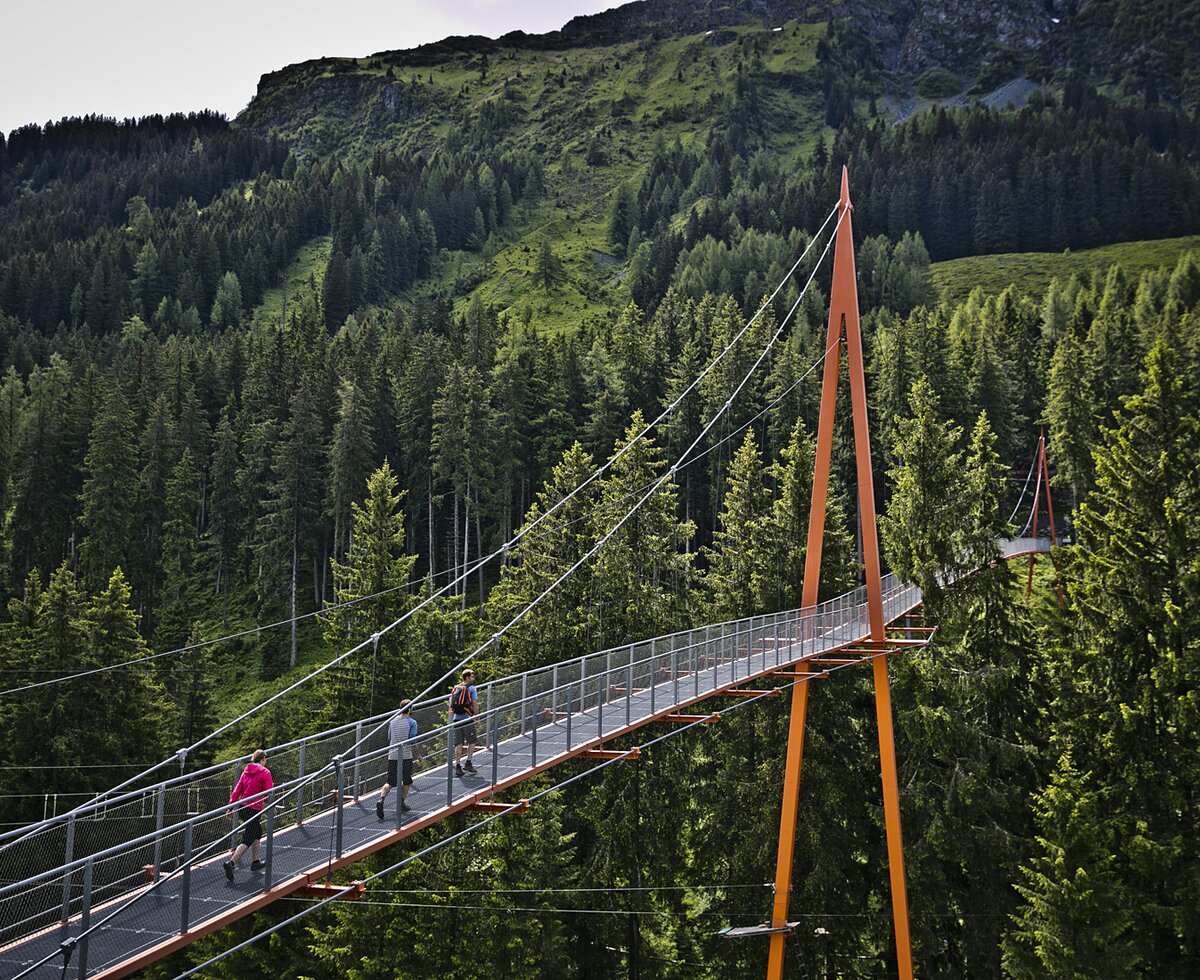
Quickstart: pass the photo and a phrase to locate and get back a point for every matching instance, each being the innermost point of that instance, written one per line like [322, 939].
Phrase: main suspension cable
[181, 754]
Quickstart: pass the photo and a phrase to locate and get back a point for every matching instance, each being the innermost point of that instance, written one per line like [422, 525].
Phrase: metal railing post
[629, 688]
[160, 816]
[495, 747]
[268, 863]
[554, 691]
[300, 786]
[357, 760]
[600, 710]
[653, 674]
[70, 854]
[569, 714]
[85, 918]
[674, 675]
[339, 766]
[450, 763]
[533, 729]
[185, 887]
[524, 701]
[717, 657]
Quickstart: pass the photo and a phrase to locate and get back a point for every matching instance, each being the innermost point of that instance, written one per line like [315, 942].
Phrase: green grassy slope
[1031, 272]
[304, 276]
[592, 115]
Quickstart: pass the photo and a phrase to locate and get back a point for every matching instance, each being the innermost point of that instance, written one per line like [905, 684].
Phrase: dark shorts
[405, 771]
[464, 731]
[252, 830]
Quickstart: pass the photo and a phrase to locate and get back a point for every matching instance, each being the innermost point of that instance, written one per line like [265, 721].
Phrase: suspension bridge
[119, 883]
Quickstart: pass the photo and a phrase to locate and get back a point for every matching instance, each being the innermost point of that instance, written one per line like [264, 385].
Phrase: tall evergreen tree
[109, 492]
[179, 599]
[920, 529]
[560, 626]
[1071, 414]
[351, 454]
[375, 579]
[643, 573]
[1125, 679]
[735, 557]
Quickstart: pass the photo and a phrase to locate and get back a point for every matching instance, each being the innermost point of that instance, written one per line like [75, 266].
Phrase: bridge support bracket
[494, 806]
[629, 755]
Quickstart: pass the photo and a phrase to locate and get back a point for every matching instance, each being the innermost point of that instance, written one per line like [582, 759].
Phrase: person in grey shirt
[402, 730]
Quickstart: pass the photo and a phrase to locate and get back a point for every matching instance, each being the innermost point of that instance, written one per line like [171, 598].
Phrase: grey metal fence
[63, 869]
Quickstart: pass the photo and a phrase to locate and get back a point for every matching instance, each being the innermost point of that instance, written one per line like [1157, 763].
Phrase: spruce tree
[351, 455]
[560, 626]
[109, 492]
[1126, 675]
[374, 578]
[643, 573]
[1071, 414]
[734, 559]
[180, 597]
[920, 529]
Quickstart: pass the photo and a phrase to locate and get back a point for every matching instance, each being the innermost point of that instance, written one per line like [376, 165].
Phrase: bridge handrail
[1009, 547]
[497, 697]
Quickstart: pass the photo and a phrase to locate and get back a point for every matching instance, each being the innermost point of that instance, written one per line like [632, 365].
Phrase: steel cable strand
[1024, 489]
[1033, 511]
[181, 754]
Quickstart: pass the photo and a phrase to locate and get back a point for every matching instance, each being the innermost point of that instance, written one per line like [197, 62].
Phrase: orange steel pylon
[1043, 473]
[843, 326]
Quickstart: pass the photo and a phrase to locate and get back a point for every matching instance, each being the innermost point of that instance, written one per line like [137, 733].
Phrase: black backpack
[460, 700]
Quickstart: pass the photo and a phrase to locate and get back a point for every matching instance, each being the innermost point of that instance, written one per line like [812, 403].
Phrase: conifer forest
[269, 383]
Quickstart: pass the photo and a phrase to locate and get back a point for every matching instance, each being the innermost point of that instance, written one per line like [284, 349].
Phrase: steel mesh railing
[64, 868]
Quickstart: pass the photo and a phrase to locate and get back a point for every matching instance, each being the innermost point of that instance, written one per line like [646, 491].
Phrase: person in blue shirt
[464, 705]
[402, 730]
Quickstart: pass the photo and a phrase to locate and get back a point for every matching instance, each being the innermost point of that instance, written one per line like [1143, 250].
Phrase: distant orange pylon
[1043, 471]
[843, 325]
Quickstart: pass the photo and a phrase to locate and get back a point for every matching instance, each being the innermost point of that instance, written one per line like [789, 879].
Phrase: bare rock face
[909, 35]
[962, 36]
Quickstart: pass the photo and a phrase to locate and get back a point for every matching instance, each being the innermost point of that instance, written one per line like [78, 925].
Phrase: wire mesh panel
[148, 842]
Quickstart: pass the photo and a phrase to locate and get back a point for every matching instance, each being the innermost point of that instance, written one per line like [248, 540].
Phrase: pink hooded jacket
[255, 780]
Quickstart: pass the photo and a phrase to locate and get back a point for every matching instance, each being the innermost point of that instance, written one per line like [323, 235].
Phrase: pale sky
[135, 57]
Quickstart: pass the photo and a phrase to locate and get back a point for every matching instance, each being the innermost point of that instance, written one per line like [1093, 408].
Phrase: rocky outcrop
[963, 36]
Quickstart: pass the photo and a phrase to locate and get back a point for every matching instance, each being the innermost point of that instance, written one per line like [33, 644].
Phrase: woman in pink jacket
[252, 789]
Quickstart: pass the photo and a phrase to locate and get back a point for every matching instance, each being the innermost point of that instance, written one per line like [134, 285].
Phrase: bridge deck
[546, 729]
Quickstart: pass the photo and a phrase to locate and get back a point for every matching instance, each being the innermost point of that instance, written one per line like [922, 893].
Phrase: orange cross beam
[687, 719]
[629, 754]
[494, 806]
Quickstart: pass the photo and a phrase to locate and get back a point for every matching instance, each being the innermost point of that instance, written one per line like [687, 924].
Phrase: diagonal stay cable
[669, 474]
[182, 753]
[1025, 488]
